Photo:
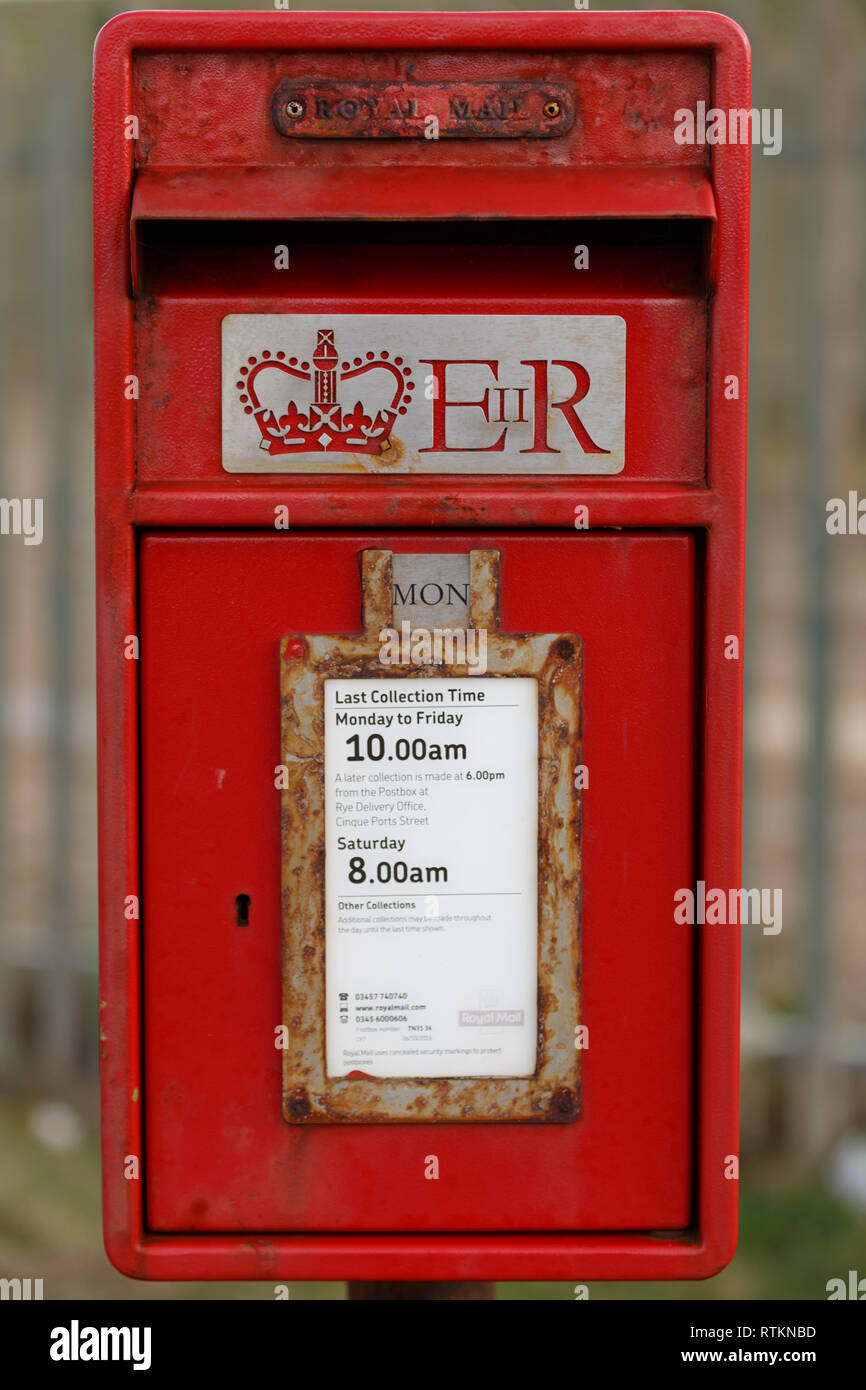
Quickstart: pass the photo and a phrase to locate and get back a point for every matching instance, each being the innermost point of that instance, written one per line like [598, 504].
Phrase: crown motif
[323, 425]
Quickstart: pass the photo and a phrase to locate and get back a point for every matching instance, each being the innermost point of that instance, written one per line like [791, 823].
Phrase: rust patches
[298, 1105]
[394, 457]
[555, 661]
[563, 1104]
[377, 588]
[484, 591]
[392, 453]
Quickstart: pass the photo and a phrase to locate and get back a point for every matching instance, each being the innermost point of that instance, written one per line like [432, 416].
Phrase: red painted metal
[637, 1187]
[336, 193]
[219, 1155]
[659, 287]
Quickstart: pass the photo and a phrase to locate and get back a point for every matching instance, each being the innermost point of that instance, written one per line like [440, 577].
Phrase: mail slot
[421, 420]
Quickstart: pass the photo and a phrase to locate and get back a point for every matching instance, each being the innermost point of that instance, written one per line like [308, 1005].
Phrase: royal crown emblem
[323, 424]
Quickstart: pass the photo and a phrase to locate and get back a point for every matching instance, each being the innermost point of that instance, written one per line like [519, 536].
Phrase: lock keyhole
[242, 910]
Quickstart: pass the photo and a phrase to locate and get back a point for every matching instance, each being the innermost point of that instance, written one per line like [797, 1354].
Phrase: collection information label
[431, 905]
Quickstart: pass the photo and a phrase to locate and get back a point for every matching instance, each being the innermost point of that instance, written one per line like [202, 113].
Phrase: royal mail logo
[415, 393]
[326, 423]
[491, 1018]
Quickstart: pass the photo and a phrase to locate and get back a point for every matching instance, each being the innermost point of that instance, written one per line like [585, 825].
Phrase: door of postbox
[421, 438]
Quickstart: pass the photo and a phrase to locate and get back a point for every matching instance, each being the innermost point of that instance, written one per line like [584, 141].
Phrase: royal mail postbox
[421, 419]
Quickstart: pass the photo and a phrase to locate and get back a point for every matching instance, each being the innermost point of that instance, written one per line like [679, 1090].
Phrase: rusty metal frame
[552, 1093]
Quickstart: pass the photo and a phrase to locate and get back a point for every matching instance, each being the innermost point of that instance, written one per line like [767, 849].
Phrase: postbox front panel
[379, 301]
[220, 1154]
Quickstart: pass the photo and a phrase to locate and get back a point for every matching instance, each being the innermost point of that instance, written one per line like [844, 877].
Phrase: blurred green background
[803, 1153]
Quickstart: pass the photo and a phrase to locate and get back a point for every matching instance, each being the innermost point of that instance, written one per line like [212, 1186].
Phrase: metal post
[370, 1292]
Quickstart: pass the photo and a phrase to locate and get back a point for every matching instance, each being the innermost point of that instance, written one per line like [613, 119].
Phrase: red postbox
[421, 420]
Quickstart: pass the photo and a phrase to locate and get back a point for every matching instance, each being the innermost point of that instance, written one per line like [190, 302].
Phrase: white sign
[431, 911]
[423, 393]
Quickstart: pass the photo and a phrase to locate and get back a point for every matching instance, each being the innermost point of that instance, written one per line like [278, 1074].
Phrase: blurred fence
[805, 824]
